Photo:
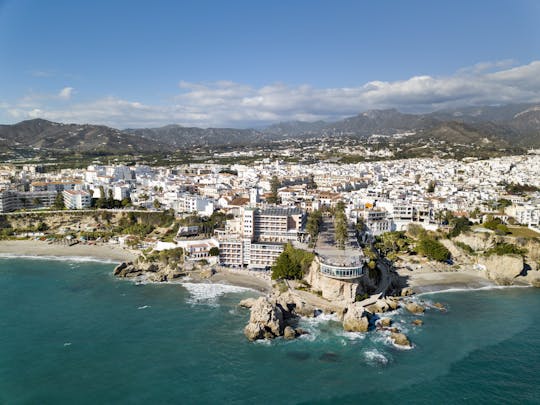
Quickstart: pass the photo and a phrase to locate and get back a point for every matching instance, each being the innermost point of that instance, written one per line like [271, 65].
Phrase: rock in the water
[120, 268]
[289, 333]
[440, 306]
[300, 331]
[385, 322]
[392, 302]
[379, 306]
[247, 303]
[355, 319]
[254, 331]
[406, 292]
[400, 339]
[418, 322]
[414, 308]
[267, 317]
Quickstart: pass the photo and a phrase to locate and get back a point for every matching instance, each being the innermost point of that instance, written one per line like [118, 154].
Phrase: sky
[239, 63]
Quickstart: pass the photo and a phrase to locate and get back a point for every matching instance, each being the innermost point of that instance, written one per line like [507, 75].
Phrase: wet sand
[39, 248]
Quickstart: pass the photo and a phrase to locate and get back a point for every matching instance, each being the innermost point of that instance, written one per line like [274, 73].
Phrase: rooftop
[328, 251]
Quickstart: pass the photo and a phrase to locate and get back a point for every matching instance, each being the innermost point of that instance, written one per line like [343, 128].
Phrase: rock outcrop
[414, 308]
[247, 303]
[400, 339]
[152, 271]
[274, 316]
[332, 289]
[407, 291]
[355, 319]
[503, 269]
[289, 333]
[265, 321]
[379, 306]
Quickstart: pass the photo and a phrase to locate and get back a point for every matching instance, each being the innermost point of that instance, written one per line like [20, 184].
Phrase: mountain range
[515, 125]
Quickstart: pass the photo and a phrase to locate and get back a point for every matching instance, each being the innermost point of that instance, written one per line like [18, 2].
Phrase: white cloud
[65, 93]
[226, 103]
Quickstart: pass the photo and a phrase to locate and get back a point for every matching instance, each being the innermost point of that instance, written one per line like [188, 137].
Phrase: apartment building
[12, 200]
[76, 199]
[255, 239]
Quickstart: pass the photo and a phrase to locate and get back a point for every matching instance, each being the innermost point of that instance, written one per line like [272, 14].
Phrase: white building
[76, 199]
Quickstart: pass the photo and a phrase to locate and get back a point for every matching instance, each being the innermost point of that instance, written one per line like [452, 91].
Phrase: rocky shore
[277, 315]
[156, 272]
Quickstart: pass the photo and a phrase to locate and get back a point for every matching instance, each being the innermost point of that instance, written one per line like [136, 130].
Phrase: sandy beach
[39, 248]
[439, 281]
[241, 278]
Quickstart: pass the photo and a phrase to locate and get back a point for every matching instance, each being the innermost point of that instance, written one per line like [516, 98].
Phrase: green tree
[313, 225]
[340, 225]
[156, 204]
[41, 227]
[460, 225]
[291, 263]
[274, 186]
[431, 186]
[59, 202]
[214, 251]
[433, 249]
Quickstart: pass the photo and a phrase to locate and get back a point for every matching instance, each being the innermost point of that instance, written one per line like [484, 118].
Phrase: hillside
[512, 128]
[39, 134]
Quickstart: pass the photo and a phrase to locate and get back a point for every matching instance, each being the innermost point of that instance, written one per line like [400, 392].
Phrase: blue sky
[242, 63]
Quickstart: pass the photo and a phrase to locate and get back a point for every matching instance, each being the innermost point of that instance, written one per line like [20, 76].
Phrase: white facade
[76, 199]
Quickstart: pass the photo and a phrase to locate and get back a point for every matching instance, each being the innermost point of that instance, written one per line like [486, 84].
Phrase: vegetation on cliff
[292, 263]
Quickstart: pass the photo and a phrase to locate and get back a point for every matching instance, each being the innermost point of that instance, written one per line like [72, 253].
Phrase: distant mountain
[471, 115]
[459, 133]
[39, 134]
[379, 122]
[296, 129]
[511, 126]
[181, 137]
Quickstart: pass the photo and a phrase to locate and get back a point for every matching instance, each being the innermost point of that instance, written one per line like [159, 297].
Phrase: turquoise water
[71, 333]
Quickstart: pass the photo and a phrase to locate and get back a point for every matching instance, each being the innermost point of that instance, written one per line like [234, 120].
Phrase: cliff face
[332, 289]
[502, 269]
[153, 272]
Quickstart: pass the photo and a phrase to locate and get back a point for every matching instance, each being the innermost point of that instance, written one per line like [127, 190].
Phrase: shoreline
[431, 282]
[422, 282]
[37, 249]
[28, 249]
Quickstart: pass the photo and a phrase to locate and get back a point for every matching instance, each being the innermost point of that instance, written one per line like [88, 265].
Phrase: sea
[71, 333]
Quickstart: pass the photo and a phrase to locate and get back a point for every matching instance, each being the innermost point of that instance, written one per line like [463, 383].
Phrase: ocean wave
[484, 288]
[144, 307]
[208, 293]
[77, 259]
[351, 335]
[375, 357]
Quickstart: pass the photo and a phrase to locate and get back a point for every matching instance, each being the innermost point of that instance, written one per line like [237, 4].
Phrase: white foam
[144, 307]
[67, 344]
[322, 318]
[485, 288]
[77, 259]
[207, 293]
[351, 335]
[375, 357]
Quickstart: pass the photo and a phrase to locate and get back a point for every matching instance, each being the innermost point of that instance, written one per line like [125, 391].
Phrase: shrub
[465, 247]
[433, 250]
[503, 248]
[291, 263]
